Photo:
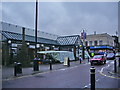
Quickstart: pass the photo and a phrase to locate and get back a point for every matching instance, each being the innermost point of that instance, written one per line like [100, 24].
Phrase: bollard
[92, 76]
[88, 59]
[15, 68]
[68, 62]
[50, 64]
[119, 62]
[115, 64]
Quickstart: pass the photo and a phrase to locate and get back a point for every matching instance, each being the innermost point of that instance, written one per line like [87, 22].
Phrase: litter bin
[36, 64]
[17, 68]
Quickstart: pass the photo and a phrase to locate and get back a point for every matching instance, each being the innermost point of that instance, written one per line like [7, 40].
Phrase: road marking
[85, 87]
[101, 72]
[97, 80]
[109, 76]
[62, 69]
[107, 61]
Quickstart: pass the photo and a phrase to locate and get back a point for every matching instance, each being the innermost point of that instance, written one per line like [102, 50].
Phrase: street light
[77, 51]
[42, 45]
[9, 41]
[36, 22]
[9, 50]
[53, 47]
[28, 43]
[38, 45]
[9, 44]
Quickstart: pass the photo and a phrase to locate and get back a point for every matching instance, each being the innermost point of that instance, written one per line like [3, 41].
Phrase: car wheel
[102, 62]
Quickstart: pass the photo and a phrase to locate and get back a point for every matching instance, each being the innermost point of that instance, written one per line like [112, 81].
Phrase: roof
[69, 40]
[29, 31]
[64, 40]
[53, 51]
[99, 35]
[17, 36]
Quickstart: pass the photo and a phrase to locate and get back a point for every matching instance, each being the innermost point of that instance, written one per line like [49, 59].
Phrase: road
[71, 77]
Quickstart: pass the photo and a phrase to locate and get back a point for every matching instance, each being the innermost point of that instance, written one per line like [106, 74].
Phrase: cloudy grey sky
[64, 18]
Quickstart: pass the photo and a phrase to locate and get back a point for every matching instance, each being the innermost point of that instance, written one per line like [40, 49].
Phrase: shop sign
[99, 47]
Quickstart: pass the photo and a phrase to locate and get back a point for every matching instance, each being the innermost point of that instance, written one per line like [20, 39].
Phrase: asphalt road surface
[71, 77]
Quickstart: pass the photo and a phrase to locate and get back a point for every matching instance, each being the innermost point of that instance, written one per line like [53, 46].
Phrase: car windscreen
[110, 54]
[97, 57]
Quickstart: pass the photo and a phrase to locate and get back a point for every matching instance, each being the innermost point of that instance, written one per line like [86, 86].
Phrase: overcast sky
[64, 18]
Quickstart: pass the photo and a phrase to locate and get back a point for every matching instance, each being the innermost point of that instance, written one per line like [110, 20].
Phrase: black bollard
[92, 74]
[88, 59]
[115, 64]
[119, 62]
[68, 62]
[50, 64]
[15, 68]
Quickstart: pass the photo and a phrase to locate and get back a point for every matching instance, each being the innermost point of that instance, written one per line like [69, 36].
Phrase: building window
[100, 42]
[95, 43]
[90, 43]
[86, 43]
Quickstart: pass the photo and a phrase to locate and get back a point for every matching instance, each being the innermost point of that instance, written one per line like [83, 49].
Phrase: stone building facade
[99, 39]
[100, 43]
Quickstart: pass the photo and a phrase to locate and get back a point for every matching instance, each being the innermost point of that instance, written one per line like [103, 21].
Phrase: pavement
[109, 71]
[8, 72]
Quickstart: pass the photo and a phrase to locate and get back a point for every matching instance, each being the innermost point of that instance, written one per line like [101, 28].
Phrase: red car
[99, 59]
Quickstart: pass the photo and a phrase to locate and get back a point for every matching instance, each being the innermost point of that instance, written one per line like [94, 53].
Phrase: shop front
[100, 49]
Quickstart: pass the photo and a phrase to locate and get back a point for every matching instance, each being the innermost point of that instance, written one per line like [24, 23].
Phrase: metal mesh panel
[67, 40]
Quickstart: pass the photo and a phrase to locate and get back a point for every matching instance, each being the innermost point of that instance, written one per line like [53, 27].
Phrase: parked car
[117, 54]
[110, 56]
[98, 59]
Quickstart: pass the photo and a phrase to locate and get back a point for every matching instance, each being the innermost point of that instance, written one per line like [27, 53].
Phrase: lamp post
[9, 41]
[9, 44]
[36, 22]
[28, 43]
[9, 51]
[77, 47]
[28, 53]
[36, 65]
[53, 47]
[83, 36]
[42, 47]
